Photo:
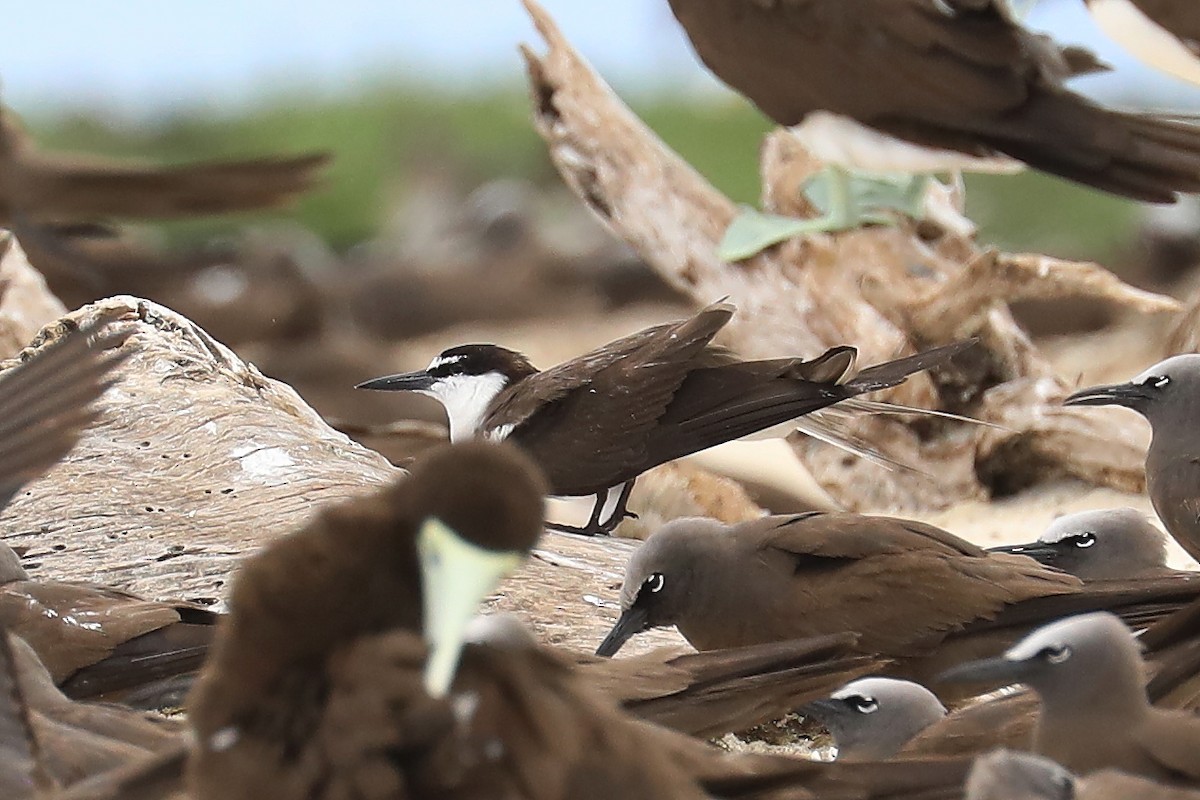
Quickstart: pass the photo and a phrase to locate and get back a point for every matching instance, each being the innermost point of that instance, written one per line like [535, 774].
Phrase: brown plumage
[913, 592]
[721, 691]
[41, 187]
[959, 75]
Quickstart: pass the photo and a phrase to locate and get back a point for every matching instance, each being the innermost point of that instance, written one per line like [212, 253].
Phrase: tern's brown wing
[958, 75]
[611, 414]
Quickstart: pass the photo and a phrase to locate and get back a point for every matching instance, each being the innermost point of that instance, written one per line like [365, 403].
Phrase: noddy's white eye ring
[1156, 381]
[655, 583]
[1056, 655]
[863, 704]
[1083, 540]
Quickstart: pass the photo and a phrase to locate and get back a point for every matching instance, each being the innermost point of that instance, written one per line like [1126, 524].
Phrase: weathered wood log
[26, 304]
[886, 290]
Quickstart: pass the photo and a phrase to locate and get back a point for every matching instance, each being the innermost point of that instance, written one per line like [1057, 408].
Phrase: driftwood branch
[887, 290]
[25, 302]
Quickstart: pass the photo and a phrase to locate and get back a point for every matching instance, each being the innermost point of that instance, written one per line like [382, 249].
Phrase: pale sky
[144, 57]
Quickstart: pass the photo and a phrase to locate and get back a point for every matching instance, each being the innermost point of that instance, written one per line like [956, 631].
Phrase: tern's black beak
[633, 620]
[989, 671]
[1129, 395]
[1039, 551]
[406, 382]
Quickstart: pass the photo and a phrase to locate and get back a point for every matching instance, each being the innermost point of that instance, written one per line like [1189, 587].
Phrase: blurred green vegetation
[381, 133]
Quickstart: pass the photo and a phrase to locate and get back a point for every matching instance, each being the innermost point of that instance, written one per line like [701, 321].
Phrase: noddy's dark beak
[1118, 394]
[1045, 553]
[821, 710]
[633, 620]
[406, 382]
[991, 671]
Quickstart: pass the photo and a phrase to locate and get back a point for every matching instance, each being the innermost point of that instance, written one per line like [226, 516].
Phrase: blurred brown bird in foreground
[39, 186]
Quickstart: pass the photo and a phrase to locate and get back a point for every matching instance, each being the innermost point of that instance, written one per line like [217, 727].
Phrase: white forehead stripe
[441, 361]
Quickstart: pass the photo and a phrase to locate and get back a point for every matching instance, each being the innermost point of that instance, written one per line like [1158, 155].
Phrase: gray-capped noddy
[1168, 395]
[809, 574]
[1016, 775]
[918, 84]
[1163, 33]
[1088, 673]
[596, 422]
[873, 718]
[1104, 544]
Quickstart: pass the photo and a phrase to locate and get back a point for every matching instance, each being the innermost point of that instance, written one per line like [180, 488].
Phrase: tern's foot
[591, 529]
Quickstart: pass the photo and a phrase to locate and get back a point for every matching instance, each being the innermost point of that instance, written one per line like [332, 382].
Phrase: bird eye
[863, 704]
[1055, 655]
[654, 583]
[1156, 381]
[1084, 540]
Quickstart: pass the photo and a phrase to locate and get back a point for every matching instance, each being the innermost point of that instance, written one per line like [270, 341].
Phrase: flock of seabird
[352, 663]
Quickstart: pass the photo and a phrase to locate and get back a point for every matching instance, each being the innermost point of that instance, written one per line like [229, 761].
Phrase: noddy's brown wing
[21, 773]
[901, 584]
[956, 75]
[46, 402]
[612, 411]
[43, 185]
[975, 729]
[156, 776]
[109, 721]
[96, 640]
[715, 692]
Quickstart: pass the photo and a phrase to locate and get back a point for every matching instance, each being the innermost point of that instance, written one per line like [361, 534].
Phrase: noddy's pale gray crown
[872, 718]
[1102, 544]
[1088, 674]
[1168, 395]
[1013, 775]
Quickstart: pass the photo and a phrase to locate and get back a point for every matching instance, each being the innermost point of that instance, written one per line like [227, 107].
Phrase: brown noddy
[919, 85]
[1163, 33]
[1165, 395]
[596, 422]
[873, 718]
[1015, 775]
[1104, 544]
[914, 593]
[1088, 674]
